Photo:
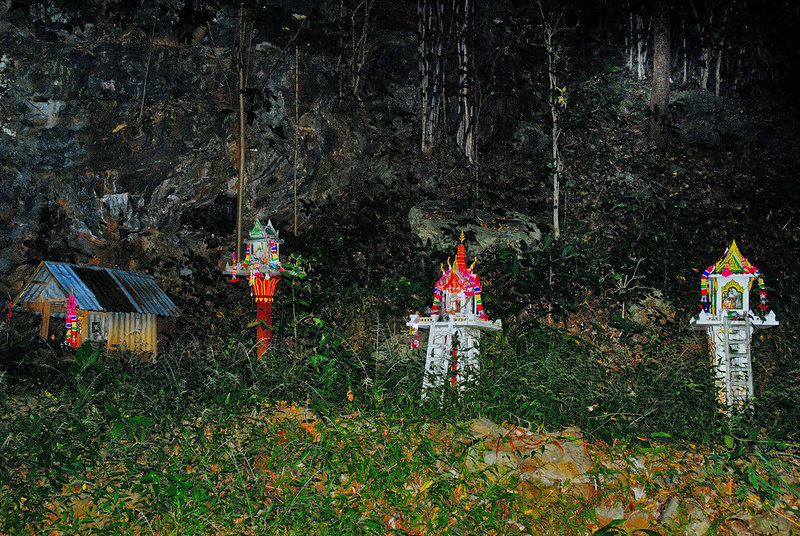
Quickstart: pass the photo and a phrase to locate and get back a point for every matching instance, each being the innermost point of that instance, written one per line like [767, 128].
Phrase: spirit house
[455, 323]
[729, 321]
[262, 268]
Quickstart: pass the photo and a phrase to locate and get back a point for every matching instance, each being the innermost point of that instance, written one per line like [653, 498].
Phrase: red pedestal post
[264, 291]
[264, 316]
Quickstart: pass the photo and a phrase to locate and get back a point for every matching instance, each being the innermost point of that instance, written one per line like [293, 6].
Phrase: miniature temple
[455, 323]
[727, 318]
[262, 268]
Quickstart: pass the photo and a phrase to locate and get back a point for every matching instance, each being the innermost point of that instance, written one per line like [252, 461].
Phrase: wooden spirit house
[114, 307]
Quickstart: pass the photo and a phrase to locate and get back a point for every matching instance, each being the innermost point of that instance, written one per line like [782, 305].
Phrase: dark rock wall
[115, 148]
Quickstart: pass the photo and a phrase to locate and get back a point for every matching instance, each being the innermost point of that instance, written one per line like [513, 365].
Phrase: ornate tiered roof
[734, 262]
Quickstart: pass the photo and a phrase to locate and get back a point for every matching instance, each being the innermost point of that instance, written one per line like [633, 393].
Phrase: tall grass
[173, 432]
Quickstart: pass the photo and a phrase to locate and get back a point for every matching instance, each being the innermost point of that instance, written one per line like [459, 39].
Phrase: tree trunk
[705, 68]
[685, 50]
[708, 50]
[465, 135]
[641, 48]
[629, 43]
[720, 47]
[433, 44]
[340, 60]
[424, 70]
[556, 100]
[659, 96]
[429, 68]
[359, 32]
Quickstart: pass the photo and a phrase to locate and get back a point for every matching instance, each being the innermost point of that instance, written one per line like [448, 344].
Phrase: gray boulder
[696, 103]
[697, 115]
[530, 140]
[438, 225]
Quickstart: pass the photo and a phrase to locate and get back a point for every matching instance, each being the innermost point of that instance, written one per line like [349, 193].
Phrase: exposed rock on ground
[648, 486]
[651, 310]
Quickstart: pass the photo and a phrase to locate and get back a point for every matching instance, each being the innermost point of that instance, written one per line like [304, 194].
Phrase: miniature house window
[96, 335]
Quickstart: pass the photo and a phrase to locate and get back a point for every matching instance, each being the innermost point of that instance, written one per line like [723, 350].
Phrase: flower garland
[705, 302]
[72, 321]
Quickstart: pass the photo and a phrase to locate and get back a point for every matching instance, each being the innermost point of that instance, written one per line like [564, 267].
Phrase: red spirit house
[262, 268]
[456, 321]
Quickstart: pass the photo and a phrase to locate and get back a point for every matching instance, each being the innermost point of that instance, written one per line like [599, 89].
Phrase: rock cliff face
[115, 147]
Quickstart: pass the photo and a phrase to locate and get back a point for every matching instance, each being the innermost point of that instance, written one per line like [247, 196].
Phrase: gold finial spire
[471, 266]
[462, 236]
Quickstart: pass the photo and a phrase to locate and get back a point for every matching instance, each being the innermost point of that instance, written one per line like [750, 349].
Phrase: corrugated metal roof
[100, 289]
[35, 288]
[105, 289]
[142, 290]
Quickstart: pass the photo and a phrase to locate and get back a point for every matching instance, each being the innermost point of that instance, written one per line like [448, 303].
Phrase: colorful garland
[414, 332]
[437, 298]
[234, 278]
[273, 249]
[72, 321]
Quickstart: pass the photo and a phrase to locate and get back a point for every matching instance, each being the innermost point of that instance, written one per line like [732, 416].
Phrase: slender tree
[551, 26]
[465, 134]
[659, 95]
[433, 40]
[641, 47]
[636, 37]
[242, 64]
[353, 37]
[720, 47]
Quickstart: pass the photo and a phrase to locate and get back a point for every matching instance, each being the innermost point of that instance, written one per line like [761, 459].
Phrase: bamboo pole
[146, 75]
[296, 127]
[242, 178]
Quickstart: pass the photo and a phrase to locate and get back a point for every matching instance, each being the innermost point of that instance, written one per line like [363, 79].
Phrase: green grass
[124, 459]
[191, 443]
